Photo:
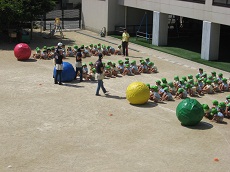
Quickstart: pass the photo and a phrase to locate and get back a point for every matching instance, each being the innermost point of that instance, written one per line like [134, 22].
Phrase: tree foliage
[21, 11]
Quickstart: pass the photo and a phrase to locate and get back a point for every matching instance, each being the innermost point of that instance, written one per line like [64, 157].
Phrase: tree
[20, 11]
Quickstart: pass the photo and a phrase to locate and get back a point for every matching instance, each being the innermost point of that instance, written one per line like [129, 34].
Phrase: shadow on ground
[201, 126]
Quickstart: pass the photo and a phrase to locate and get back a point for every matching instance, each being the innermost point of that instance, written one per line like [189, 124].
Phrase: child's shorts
[59, 67]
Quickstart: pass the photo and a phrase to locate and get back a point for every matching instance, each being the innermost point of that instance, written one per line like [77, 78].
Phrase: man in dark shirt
[79, 64]
[100, 75]
[58, 65]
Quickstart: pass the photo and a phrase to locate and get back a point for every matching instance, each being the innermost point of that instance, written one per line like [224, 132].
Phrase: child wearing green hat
[118, 51]
[215, 104]
[172, 88]
[198, 89]
[134, 68]
[95, 50]
[224, 85]
[154, 95]
[127, 70]
[114, 70]
[220, 77]
[181, 94]
[152, 68]
[120, 66]
[207, 111]
[227, 99]
[143, 68]
[158, 84]
[208, 88]
[108, 72]
[217, 116]
[176, 81]
[105, 51]
[167, 95]
[216, 86]
[85, 72]
[37, 54]
[227, 110]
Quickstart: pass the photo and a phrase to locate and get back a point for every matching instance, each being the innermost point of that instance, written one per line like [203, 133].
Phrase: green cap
[214, 111]
[164, 80]
[210, 77]
[199, 79]
[155, 88]
[197, 76]
[170, 84]
[166, 89]
[84, 64]
[190, 76]
[184, 78]
[163, 85]
[114, 64]
[127, 65]
[196, 83]
[119, 46]
[91, 45]
[133, 62]
[201, 69]
[158, 81]
[176, 78]
[180, 90]
[228, 97]
[213, 72]
[188, 86]
[224, 80]
[215, 102]
[148, 85]
[127, 58]
[220, 74]
[120, 61]
[222, 105]
[215, 80]
[205, 106]
[94, 70]
[208, 81]
[107, 67]
[182, 81]
[151, 63]
[228, 105]
[147, 59]
[90, 63]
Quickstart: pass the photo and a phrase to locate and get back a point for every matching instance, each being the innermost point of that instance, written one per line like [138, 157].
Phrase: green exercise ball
[189, 112]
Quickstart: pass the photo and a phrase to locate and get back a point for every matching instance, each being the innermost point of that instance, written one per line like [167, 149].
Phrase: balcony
[222, 3]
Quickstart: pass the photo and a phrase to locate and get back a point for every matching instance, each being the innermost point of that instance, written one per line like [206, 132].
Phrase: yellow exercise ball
[137, 93]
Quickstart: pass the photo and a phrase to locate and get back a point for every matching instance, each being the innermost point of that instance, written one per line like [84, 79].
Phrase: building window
[195, 1]
[223, 3]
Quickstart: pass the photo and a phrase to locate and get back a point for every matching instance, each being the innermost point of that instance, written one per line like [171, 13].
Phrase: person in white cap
[59, 66]
[59, 46]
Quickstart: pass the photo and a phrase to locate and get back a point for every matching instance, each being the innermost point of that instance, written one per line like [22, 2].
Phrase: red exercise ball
[22, 51]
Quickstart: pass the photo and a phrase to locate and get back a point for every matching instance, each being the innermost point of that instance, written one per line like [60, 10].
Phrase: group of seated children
[124, 68]
[181, 88]
[47, 53]
[93, 50]
[218, 110]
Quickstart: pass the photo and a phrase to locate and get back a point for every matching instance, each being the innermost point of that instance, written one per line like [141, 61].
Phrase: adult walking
[100, 75]
[125, 42]
[59, 66]
[78, 64]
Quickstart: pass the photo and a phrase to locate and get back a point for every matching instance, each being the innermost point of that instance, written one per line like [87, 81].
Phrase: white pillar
[160, 28]
[210, 41]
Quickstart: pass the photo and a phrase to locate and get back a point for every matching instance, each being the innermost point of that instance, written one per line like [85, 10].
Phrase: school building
[160, 19]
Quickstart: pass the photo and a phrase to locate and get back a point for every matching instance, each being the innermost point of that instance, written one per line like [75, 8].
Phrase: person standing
[125, 42]
[78, 64]
[100, 75]
[59, 66]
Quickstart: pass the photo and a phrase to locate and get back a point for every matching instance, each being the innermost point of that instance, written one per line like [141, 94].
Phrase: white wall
[198, 11]
[94, 14]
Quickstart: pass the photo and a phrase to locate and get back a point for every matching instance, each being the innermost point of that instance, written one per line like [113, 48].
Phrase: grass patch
[181, 52]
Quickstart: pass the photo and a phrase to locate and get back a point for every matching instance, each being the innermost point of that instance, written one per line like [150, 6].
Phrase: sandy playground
[51, 128]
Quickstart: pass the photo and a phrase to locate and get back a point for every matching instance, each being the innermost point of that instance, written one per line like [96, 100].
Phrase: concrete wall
[94, 15]
[206, 12]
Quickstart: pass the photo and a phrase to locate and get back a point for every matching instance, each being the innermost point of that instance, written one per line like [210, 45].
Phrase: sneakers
[97, 94]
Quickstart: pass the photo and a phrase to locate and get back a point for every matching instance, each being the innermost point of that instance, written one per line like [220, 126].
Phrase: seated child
[134, 68]
[49, 53]
[91, 65]
[224, 85]
[44, 54]
[92, 74]
[200, 83]
[220, 77]
[217, 116]
[64, 51]
[118, 51]
[176, 81]
[172, 88]
[69, 52]
[222, 107]
[105, 51]
[127, 70]
[111, 50]
[227, 101]
[161, 90]
[200, 73]
[207, 111]
[198, 89]
[158, 84]
[75, 48]
[216, 86]
[95, 50]
[152, 68]
[85, 72]
[120, 66]
[114, 70]
[99, 49]
[227, 110]
[37, 55]
[143, 68]
[190, 90]
[108, 71]
[213, 73]
[167, 95]
[154, 95]
[164, 80]
[215, 104]
[208, 88]
[181, 94]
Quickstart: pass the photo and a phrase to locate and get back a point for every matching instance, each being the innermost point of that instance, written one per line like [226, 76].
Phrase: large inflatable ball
[22, 51]
[189, 112]
[137, 93]
[68, 73]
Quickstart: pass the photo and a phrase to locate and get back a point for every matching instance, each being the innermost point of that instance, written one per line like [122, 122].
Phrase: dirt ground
[51, 128]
